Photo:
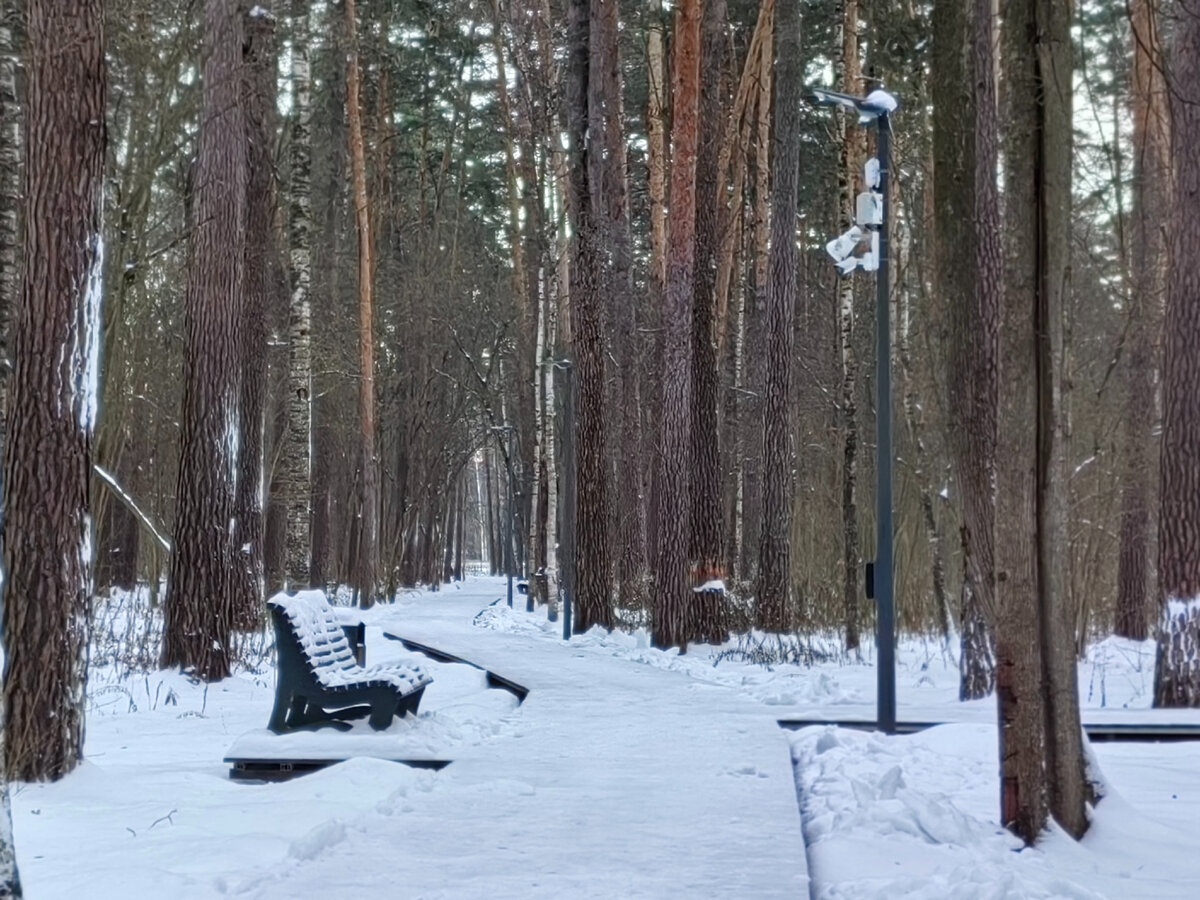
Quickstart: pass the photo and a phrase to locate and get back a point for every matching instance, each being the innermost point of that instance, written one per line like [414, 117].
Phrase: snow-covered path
[612, 780]
[628, 772]
[619, 780]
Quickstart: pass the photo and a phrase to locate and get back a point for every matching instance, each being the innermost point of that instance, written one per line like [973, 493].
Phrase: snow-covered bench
[319, 680]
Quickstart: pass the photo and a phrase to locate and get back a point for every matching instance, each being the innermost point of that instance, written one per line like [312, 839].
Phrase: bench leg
[279, 715]
[382, 713]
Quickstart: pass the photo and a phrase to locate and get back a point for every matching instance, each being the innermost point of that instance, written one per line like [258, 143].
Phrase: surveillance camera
[843, 245]
[871, 173]
[868, 209]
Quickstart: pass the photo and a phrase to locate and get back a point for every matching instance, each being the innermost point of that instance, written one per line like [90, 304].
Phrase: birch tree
[297, 460]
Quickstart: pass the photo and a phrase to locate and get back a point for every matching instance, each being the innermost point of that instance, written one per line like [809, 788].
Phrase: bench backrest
[316, 631]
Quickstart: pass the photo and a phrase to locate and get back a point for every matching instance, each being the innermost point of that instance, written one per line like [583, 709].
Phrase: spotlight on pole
[870, 231]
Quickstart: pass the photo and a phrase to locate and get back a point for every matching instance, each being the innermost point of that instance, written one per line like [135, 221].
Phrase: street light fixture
[871, 214]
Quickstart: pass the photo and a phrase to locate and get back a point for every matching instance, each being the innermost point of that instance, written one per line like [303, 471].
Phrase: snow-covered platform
[612, 780]
[265, 756]
[1097, 732]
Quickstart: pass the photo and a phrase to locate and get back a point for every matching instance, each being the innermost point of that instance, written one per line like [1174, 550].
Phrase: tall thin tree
[705, 531]
[297, 457]
[1177, 670]
[199, 608]
[773, 610]
[673, 626]
[47, 530]
[261, 267]
[1148, 270]
[591, 558]
[1041, 749]
[368, 535]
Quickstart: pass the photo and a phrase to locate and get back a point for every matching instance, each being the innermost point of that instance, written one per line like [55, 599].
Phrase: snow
[1178, 608]
[627, 772]
[881, 100]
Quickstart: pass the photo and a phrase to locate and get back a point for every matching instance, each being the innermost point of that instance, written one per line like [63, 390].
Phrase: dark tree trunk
[47, 533]
[1177, 672]
[704, 492]
[609, 185]
[1151, 175]
[261, 263]
[593, 601]
[851, 159]
[199, 609]
[968, 278]
[1041, 738]
[672, 619]
[977, 466]
[366, 577]
[773, 611]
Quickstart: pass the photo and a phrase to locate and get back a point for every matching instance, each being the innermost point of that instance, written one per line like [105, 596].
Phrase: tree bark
[593, 601]
[705, 533]
[1177, 670]
[199, 611]
[297, 457]
[673, 624]
[47, 530]
[751, 398]
[366, 576]
[260, 264]
[1041, 748]
[1151, 175]
[773, 610]
[851, 158]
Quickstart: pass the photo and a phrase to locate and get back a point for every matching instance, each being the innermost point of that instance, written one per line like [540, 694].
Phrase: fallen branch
[129, 503]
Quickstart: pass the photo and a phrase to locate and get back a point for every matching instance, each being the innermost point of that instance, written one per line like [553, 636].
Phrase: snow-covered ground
[628, 772]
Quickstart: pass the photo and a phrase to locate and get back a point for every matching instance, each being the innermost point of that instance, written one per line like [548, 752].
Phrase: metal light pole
[885, 619]
[874, 217]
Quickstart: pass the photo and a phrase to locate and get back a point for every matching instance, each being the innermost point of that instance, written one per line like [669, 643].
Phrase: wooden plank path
[618, 780]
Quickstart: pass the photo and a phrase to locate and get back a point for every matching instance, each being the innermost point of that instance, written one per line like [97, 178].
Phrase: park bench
[320, 681]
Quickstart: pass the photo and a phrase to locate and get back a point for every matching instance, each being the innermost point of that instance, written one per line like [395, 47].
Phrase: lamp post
[872, 214]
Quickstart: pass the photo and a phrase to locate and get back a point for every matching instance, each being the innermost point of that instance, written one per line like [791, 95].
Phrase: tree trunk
[1151, 175]
[1041, 748]
[199, 611]
[977, 466]
[672, 620]
[610, 196]
[968, 276]
[47, 531]
[10, 193]
[773, 610]
[851, 159]
[366, 577]
[593, 602]
[1177, 671]
[297, 456]
[750, 408]
[705, 532]
[260, 263]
